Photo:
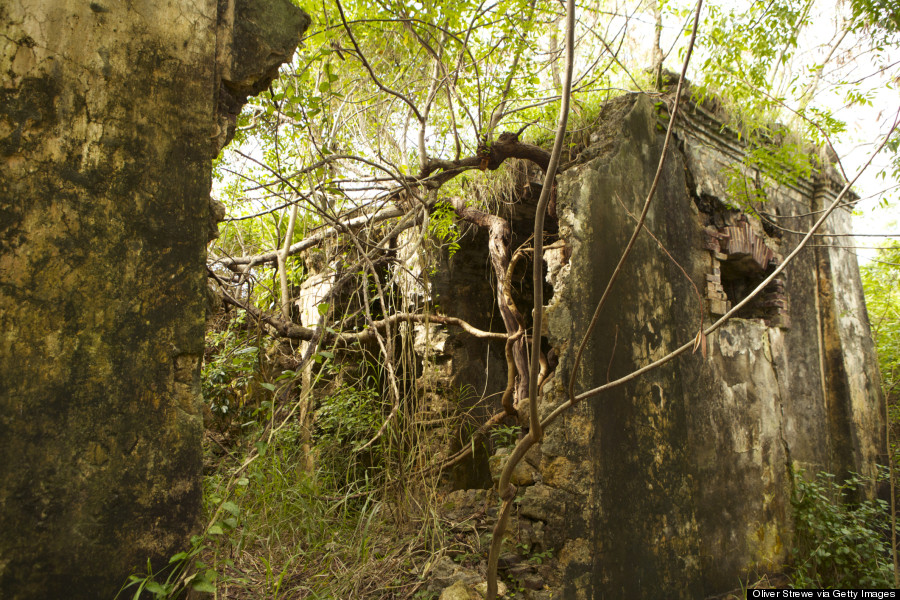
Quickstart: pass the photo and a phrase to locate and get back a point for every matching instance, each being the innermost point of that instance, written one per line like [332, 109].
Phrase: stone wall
[678, 483]
[463, 374]
[110, 114]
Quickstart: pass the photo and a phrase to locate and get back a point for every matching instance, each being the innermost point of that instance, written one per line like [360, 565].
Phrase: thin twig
[362, 58]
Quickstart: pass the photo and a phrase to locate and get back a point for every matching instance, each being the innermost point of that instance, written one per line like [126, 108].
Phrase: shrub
[839, 543]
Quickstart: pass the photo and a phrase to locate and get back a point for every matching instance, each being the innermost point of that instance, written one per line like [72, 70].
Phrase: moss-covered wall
[110, 114]
[678, 483]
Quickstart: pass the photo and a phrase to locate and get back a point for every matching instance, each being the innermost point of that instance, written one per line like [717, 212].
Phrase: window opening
[741, 260]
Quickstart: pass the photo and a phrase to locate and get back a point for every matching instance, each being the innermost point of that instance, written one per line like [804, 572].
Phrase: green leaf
[261, 448]
[205, 582]
[203, 586]
[231, 507]
[156, 588]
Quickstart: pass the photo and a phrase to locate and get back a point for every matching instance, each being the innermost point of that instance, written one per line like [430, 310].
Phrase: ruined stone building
[677, 484]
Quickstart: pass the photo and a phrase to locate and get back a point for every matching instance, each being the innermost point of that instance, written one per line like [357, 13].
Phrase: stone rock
[533, 582]
[521, 573]
[461, 505]
[540, 595]
[541, 502]
[259, 37]
[216, 216]
[481, 589]
[458, 591]
[429, 339]
[507, 561]
[523, 474]
[533, 456]
[445, 572]
[538, 534]
[110, 113]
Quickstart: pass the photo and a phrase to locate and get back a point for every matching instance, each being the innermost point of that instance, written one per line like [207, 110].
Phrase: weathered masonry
[678, 483]
[110, 114]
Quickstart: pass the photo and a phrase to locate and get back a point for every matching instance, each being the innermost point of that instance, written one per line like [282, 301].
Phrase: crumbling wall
[463, 376]
[677, 484]
[458, 370]
[110, 114]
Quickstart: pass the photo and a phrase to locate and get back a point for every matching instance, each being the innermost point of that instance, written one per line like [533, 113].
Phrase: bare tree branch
[507, 146]
[298, 332]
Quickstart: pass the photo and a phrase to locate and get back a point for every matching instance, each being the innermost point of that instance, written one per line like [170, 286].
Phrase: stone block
[719, 307]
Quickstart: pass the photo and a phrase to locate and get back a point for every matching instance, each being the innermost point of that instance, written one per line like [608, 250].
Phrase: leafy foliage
[229, 370]
[880, 17]
[443, 228]
[755, 67]
[505, 436]
[880, 280]
[345, 421]
[184, 573]
[766, 164]
[752, 43]
[839, 543]
[349, 417]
